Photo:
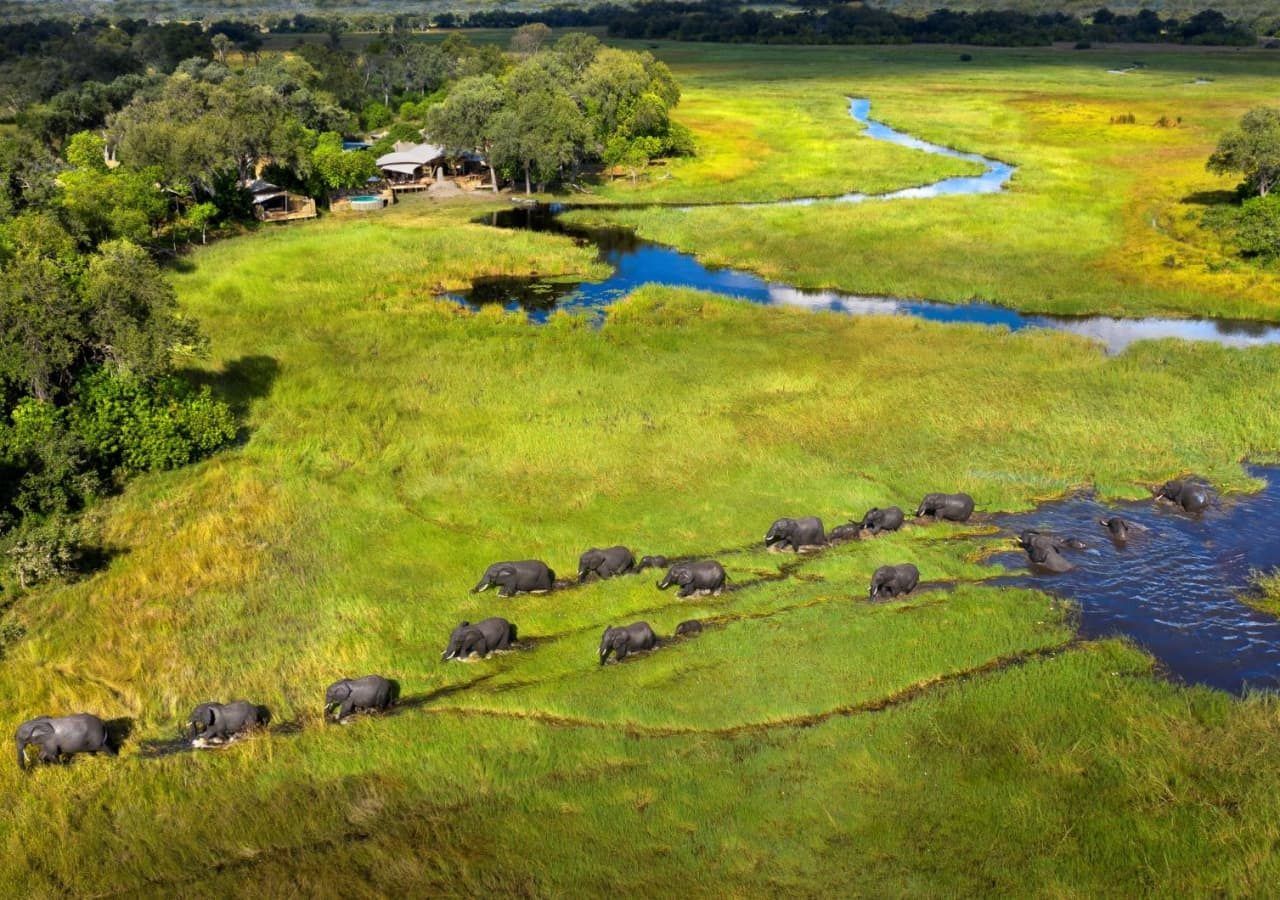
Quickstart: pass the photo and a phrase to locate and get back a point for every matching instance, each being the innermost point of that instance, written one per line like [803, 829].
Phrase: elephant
[1119, 528]
[894, 581]
[372, 692]
[220, 721]
[482, 637]
[706, 577]
[652, 562]
[689, 628]
[1190, 495]
[878, 520]
[793, 534]
[952, 507]
[528, 576]
[850, 532]
[1045, 550]
[63, 736]
[605, 563]
[629, 639]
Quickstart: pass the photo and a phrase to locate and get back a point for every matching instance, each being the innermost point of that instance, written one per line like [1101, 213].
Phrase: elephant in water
[706, 577]
[689, 628]
[952, 507]
[1045, 550]
[888, 519]
[372, 692]
[1119, 528]
[629, 639]
[605, 563]
[63, 736]
[894, 581]
[482, 637]
[528, 576]
[221, 721]
[794, 534]
[652, 562]
[1190, 495]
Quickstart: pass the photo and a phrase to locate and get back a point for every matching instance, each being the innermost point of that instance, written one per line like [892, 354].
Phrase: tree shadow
[1210, 198]
[238, 384]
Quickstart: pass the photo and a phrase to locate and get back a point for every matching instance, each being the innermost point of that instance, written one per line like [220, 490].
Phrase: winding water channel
[636, 262]
[1174, 588]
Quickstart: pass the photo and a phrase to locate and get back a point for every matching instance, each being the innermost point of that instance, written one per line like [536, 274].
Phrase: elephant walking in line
[372, 692]
[795, 534]
[888, 519]
[482, 638]
[628, 639]
[894, 581]
[952, 507]
[1045, 550]
[62, 736]
[222, 721]
[706, 577]
[848, 532]
[527, 576]
[605, 563]
[1192, 496]
[652, 562]
[689, 628]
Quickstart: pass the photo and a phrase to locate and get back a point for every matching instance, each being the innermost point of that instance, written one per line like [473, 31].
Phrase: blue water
[636, 262]
[1173, 588]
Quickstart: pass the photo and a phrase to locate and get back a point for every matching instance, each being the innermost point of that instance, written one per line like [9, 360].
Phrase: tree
[464, 121]
[221, 45]
[529, 39]
[540, 128]
[338, 168]
[1253, 149]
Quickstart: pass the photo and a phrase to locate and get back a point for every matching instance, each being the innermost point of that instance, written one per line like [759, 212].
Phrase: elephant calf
[1190, 495]
[222, 721]
[793, 534]
[372, 692]
[528, 576]
[652, 562]
[689, 628]
[706, 577]
[62, 736]
[482, 637]
[888, 519]
[894, 581]
[952, 507]
[605, 563]
[630, 639]
[850, 532]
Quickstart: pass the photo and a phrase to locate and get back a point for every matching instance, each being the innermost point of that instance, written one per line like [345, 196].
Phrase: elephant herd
[62, 737]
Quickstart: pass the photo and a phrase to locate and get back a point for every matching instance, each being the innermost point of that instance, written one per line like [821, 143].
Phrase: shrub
[42, 549]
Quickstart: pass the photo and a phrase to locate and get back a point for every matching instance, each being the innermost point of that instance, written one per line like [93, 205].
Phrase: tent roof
[418, 155]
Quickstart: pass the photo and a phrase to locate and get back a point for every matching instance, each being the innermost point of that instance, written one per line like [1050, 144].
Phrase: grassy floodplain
[1098, 219]
[956, 742]
[808, 742]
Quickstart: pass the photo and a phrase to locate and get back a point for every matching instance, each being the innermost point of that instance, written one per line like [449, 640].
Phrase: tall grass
[397, 444]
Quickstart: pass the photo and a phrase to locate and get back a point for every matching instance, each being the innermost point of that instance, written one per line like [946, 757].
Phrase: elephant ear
[41, 731]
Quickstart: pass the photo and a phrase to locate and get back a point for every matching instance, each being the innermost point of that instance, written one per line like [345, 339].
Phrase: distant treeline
[729, 22]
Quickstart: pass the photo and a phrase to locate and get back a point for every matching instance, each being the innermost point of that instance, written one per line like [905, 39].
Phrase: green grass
[952, 742]
[1099, 218]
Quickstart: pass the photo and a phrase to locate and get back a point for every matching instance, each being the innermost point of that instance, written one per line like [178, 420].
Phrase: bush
[130, 426]
[1257, 226]
[44, 549]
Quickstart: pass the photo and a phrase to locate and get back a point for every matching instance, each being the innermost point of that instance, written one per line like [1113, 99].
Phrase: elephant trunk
[22, 756]
[582, 576]
[484, 583]
[664, 584]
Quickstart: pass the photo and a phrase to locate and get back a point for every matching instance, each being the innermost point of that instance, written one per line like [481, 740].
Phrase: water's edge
[637, 262]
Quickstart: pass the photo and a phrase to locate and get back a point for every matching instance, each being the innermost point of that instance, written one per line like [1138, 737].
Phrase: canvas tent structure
[412, 167]
[275, 204]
